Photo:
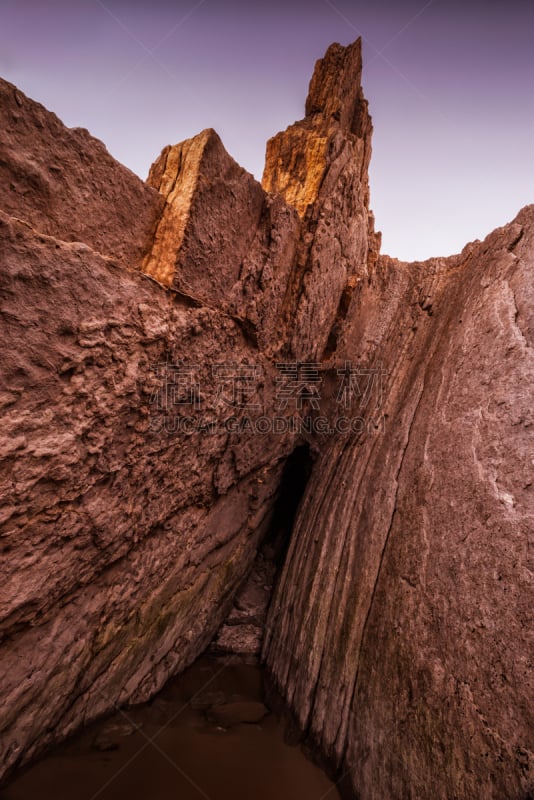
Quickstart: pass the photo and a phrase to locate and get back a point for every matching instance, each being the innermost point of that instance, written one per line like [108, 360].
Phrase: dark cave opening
[295, 476]
[243, 630]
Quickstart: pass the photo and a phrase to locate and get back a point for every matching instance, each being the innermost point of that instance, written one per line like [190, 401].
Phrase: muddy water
[189, 743]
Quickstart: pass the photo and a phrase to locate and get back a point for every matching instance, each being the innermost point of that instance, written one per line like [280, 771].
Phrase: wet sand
[176, 747]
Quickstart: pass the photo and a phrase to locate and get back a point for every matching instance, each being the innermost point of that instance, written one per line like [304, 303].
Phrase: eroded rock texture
[220, 238]
[400, 633]
[320, 166]
[399, 630]
[123, 541]
[64, 183]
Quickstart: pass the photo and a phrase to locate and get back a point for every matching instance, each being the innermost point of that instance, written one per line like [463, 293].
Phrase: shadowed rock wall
[399, 629]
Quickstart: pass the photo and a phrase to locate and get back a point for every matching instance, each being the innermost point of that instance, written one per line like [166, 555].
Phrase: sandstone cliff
[398, 634]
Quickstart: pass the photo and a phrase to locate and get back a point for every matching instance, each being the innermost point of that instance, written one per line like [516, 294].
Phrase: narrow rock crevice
[342, 311]
[127, 545]
[243, 630]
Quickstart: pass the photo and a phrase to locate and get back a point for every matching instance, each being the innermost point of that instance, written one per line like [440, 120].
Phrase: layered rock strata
[400, 632]
[399, 629]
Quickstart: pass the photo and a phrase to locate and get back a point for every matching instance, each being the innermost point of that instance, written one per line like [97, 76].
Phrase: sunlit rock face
[398, 631]
[320, 166]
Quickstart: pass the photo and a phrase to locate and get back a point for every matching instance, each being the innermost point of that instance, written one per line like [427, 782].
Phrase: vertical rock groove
[375, 681]
[400, 627]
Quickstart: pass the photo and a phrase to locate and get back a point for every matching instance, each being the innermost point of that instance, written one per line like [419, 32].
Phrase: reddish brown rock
[241, 711]
[399, 632]
[65, 184]
[319, 165]
[212, 209]
[221, 239]
[122, 543]
[243, 630]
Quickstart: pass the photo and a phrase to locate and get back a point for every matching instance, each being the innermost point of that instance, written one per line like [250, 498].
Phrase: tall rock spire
[223, 241]
[299, 158]
[320, 166]
[335, 88]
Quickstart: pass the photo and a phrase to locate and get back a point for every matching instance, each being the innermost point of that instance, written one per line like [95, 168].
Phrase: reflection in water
[206, 735]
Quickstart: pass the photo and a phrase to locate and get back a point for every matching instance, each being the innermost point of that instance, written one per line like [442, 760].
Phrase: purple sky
[450, 86]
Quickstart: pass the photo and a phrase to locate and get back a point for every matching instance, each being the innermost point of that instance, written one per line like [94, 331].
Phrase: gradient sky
[450, 86]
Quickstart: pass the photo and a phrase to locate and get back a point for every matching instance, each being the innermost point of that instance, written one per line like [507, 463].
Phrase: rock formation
[400, 630]
[144, 329]
[320, 165]
[124, 539]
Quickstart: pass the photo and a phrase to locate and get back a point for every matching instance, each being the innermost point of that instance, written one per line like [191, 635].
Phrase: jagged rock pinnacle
[299, 158]
[335, 90]
[139, 481]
